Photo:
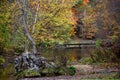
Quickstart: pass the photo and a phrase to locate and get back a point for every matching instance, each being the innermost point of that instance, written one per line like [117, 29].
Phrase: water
[70, 54]
[59, 56]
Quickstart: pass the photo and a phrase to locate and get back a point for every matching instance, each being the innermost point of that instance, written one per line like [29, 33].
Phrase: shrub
[86, 60]
[2, 60]
[98, 43]
[72, 70]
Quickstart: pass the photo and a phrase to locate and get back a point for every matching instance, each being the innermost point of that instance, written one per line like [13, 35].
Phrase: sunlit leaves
[4, 24]
[55, 22]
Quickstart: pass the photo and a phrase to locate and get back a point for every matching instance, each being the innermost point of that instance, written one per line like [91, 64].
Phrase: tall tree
[23, 5]
[43, 21]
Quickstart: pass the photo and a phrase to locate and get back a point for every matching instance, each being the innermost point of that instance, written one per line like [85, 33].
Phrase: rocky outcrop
[31, 64]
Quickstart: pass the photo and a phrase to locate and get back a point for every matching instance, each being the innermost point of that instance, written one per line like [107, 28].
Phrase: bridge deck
[79, 44]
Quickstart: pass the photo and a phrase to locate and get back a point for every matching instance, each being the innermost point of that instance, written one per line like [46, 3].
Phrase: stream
[56, 55]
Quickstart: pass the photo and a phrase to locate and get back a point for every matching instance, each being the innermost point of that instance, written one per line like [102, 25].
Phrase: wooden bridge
[79, 44]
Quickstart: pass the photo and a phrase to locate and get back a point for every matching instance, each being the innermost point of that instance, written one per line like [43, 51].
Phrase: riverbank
[86, 72]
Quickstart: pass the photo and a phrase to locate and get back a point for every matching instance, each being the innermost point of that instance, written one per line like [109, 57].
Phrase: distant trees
[86, 23]
[107, 17]
[99, 18]
[52, 21]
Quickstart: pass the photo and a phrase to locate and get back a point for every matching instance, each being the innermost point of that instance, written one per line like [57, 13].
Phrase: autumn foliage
[86, 2]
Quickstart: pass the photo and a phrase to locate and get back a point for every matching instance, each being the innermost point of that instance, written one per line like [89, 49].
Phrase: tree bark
[36, 15]
[24, 17]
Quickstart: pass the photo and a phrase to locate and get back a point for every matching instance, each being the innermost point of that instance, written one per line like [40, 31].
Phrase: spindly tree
[24, 7]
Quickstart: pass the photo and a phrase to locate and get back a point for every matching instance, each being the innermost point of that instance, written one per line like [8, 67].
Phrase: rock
[47, 65]
[48, 70]
[43, 58]
[38, 62]
[32, 56]
[16, 64]
[53, 64]
[26, 54]
[31, 65]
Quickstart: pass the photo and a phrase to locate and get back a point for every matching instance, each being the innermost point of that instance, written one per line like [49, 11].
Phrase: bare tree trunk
[25, 13]
[84, 30]
[36, 15]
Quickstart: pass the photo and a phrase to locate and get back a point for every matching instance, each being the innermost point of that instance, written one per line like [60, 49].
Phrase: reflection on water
[62, 55]
[71, 54]
[8, 72]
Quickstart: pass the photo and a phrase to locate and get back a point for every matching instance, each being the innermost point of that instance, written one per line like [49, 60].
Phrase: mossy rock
[64, 71]
[58, 71]
[31, 73]
[48, 72]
